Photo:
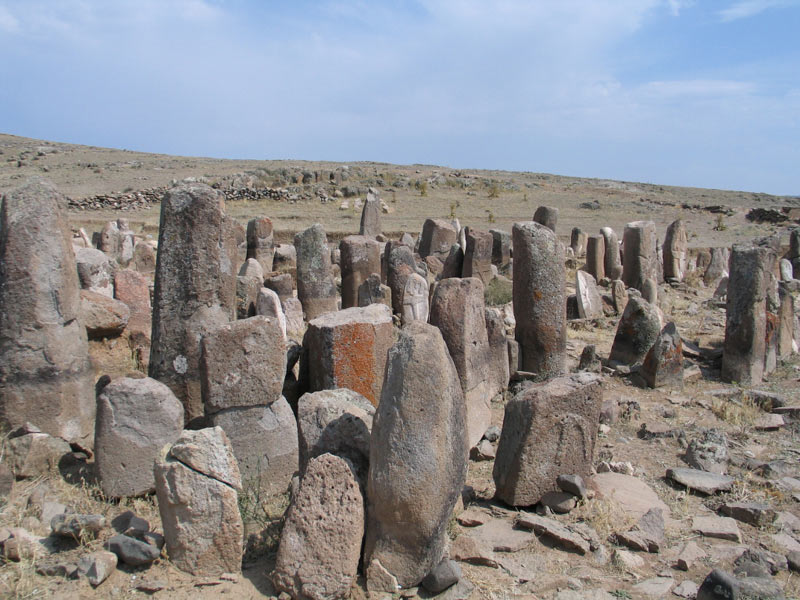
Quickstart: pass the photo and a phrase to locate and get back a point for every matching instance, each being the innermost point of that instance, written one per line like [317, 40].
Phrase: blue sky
[678, 92]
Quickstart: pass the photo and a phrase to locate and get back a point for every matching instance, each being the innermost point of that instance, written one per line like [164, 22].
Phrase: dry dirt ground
[536, 569]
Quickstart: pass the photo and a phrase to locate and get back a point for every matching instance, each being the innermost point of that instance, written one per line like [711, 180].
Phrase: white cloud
[750, 8]
[699, 87]
[8, 22]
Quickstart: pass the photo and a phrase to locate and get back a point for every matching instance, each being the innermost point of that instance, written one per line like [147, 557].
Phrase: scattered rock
[97, 567]
[701, 481]
[723, 528]
[554, 530]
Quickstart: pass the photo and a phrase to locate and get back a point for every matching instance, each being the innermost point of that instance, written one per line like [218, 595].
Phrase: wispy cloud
[699, 87]
[749, 8]
[8, 22]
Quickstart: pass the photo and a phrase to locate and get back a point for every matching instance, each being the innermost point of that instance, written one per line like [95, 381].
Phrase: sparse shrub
[740, 413]
[490, 216]
[494, 191]
[720, 226]
[453, 210]
[422, 186]
[498, 292]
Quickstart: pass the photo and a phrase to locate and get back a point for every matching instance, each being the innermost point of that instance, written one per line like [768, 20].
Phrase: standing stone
[337, 422]
[195, 287]
[399, 265]
[590, 304]
[281, 284]
[745, 325]
[45, 374]
[619, 296]
[547, 216]
[501, 247]
[197, 480]
[371, 215]
[578, 242]
[787, 271]
[265, 444]
[611, 257]
[321, 539]
[133, 289]
[794, 249]
[637, 331]
[676, 251]
[285, 258]
[415, 299]
[360, 258]
[478, 255]
[144, 257]
[437, 237]
[548, 429]
[248, 284]
[785, 322]
[498, 350]
[595, 257]
[650, 290]
[243, 364]
[347, 349]
[293, 310]
[260, 242]
[454, 263]
[458, 311]
[640, 259]
[372, 291]
[315, 286]
[663, 365]
[117, 240]
[540, 304]
[95, 271]
[135, 419]
[718, 267]
[418, 460]
[268, 304]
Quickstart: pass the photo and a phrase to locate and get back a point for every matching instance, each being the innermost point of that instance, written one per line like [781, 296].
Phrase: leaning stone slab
[196, 485]
[135, 419]
[321, 539]
[437, 237]
[554, 530]
[590, 305]
[347, 349]
[243, 364]
[418, 459]
[701, 481]
[663, 364]
[548, 429]
[637, 331]
[45, 375]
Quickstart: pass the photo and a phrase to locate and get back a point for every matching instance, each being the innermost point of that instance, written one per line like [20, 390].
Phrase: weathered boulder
[133, 289]
[418, 459]
[144, 257]
[264, 442]
[539, 299]
[282, 284]
[338, 422]
[321, 538]
[347, 349]
[547, 216]
[637, 331]
[676, 251]
[372, 291]
[243, 363]
[117, 240]
[663, 364]
[360, 258]
[640, 254]
[195, 287]
[102, 316]
[135, 419]
[438, 235]
[95, 271]
[548, 429]
[458, 311]
[260, 242]
[196, 485]
[315, 286]
[45, 374]
[31, 453]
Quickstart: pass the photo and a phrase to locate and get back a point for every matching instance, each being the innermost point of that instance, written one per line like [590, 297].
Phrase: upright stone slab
[640, 258]
[281, 284]
[501, 247]
[590, 304]
[637, 331]
[595, 257]
[347, 349]
[197, 483]
[611, 256]
[663, 364]
[399, 265]
[794, 249]
[547, 216]
[415, 299]
[437, 237]
[498, 350]
[195, 287]
[260, 242]
[786, 313]
[745, 324]
[135, 419]
[478, 255]
[458, 311]
[243, 364]
[248, 283]
[360, 258]
[96, 271]
[676, 251]
[418, 460]
[539, 299]
[45, 374]
[578, 242]
[717, 267]
[619, 296]
[315, 286]
[265, 444]
[371, 216]
[372, 291]
[549, 429]
[321, 539]
[454, 263]
[268, 304]
[117, 240]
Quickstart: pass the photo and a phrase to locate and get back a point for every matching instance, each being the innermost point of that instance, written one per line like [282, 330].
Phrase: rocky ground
[576, 554]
